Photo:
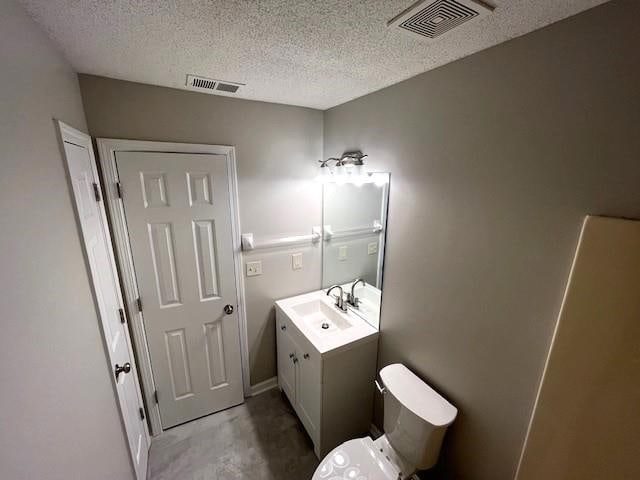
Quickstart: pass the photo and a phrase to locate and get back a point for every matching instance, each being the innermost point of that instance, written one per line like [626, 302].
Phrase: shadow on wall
[262, 348]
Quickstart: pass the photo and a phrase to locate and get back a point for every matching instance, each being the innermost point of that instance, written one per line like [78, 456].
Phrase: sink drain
[325, 326]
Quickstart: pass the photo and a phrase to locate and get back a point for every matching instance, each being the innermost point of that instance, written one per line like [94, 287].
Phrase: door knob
[228, 309]
[126, 368]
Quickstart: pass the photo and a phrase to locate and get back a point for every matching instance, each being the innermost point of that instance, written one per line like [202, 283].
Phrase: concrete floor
[261, 439]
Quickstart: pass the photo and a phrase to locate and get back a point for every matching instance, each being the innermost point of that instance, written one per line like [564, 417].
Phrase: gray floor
[261, 439]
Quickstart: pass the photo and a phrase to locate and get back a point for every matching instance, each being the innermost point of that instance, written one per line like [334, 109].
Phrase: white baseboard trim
[264, 386]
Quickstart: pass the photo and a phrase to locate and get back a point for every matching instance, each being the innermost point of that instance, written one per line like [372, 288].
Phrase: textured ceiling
[315, 53]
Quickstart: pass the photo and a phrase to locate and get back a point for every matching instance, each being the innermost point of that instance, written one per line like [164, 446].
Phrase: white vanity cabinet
[331, 391]
[300, 374]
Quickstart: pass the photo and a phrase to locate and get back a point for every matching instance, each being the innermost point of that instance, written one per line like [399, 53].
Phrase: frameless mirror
[354, 227]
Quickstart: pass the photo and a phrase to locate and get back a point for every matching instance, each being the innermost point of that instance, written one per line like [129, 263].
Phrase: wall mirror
[354, 232]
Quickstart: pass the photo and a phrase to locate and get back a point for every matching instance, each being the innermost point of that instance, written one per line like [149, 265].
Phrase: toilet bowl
[416, 418]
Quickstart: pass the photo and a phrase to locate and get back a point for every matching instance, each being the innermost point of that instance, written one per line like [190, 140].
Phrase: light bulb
[380, 179]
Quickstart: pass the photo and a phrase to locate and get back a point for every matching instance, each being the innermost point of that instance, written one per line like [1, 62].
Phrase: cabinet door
[308, 393]
[286, 355]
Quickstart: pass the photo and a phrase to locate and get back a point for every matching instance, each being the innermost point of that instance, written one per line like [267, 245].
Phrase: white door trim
[107, 149]
[76, 137]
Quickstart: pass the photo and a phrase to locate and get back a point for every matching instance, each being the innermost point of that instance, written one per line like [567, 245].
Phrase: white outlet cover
[296, 261]
[372, 248]
[342, 253]
[254, 268]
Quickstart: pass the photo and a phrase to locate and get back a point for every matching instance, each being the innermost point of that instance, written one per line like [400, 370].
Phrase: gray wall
[276, 150]
[495, 159]
[58, 414]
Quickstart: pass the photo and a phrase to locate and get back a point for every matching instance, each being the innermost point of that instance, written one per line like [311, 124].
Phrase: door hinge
[122, 318]
[119, 189]
[139, 304]
[141, 413]
[96, 191]
[155, 396]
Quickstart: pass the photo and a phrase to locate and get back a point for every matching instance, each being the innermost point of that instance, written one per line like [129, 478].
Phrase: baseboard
[264, 386]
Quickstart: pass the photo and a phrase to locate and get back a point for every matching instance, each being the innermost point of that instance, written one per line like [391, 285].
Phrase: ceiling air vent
[432, 19]
[209, 85]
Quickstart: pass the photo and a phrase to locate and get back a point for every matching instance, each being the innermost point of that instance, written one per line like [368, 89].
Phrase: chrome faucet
[339, 300]
[351, 297]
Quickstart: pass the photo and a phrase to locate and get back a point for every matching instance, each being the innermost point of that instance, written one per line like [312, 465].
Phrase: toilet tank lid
[417, 396]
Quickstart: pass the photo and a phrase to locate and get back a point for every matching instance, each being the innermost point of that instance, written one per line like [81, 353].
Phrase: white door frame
[107, 149]
[76, 137]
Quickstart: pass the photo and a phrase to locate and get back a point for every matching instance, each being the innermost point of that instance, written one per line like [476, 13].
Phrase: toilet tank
[416, 417]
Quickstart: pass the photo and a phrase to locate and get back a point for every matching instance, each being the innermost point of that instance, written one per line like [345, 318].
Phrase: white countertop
[334, 339]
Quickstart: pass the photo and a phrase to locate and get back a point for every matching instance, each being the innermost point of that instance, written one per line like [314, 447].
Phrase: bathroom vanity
[327, 340]
[326, 367]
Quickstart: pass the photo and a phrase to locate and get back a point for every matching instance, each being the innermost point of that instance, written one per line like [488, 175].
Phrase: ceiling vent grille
[432, 19]
[209, 85]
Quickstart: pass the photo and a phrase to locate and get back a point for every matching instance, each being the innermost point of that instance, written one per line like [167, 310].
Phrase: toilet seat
[358, 460]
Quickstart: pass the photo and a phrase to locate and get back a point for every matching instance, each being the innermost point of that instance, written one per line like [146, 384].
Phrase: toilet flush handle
[381, 389]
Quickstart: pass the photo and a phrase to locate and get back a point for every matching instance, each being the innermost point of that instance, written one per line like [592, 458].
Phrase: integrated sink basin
[321, 318]
[322, 323]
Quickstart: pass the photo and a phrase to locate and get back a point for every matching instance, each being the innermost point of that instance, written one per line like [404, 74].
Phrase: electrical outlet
[254, 268]
[296, 261]
[372, 248]
[342, 253]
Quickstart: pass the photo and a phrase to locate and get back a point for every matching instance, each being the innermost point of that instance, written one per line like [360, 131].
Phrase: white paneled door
[95, 234]
[178, 213]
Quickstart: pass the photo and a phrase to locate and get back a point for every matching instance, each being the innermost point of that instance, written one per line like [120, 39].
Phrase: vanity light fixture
[347, 169]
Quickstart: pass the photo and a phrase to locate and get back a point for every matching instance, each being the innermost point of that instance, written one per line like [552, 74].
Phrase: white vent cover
[432, 19]
[209, 85]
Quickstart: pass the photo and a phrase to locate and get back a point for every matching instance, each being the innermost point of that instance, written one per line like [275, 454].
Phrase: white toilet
[416, 418]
